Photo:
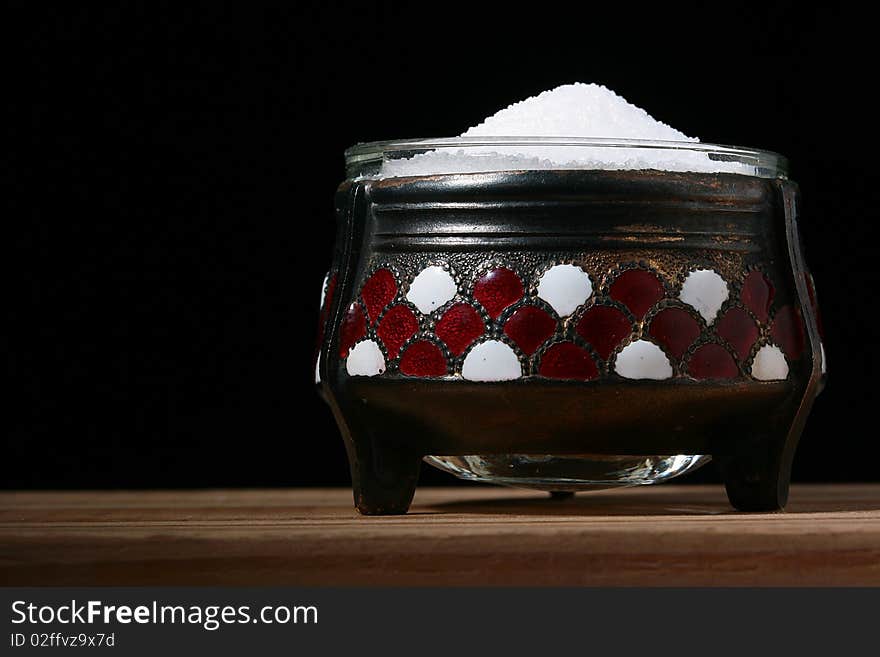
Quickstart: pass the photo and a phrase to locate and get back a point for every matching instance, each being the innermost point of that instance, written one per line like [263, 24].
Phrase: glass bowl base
[569, 472]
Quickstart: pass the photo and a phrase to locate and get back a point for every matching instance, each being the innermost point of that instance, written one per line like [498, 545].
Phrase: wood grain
[651, 536]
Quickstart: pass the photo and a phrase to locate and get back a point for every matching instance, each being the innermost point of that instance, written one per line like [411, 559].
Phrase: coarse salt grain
[570, 111]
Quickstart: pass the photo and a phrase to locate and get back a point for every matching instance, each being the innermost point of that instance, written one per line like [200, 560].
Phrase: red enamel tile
[757, 295]
[739, 330]
[397, 326]
[604, 327]
[459, 327]
[712, 361]
[423, 358]
[675, 329]
[498, 289]
[638, 290]
[787, 331]
[529, 327]
[352, 329]
[379, 290]
[566, 360]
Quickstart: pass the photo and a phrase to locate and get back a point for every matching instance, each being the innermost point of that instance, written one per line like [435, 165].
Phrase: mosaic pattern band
[563, 319]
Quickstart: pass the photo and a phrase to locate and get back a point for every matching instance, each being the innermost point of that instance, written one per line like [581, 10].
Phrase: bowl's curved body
[501, 320]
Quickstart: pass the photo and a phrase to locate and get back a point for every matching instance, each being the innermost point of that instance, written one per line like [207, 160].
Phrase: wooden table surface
[663, 535]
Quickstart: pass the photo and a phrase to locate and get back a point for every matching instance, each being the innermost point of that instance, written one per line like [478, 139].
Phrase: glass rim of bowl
[365, 159]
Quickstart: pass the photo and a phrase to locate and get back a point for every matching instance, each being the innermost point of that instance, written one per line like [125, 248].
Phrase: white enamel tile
[769, 364]
[706, 291]
[433, 287]
[643, 360]
[491, 361]
[565, 287]
[365, 359]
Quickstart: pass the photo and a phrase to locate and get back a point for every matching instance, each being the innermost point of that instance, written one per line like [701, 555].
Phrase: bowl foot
[384, 477]
[758, 474]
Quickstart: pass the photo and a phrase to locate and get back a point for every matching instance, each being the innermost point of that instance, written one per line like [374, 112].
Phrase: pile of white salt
[572, 111]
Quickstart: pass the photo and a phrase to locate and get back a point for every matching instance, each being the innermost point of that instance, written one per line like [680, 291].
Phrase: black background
[171, 183]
